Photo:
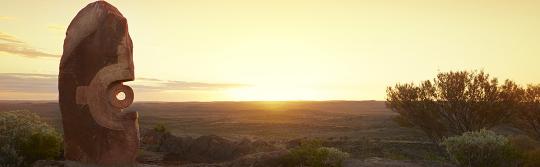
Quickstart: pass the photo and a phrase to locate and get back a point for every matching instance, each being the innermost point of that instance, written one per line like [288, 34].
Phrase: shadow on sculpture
[97, 59]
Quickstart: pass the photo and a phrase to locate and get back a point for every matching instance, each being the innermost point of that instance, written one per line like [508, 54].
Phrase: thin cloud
[57, 28]
[47, 83]
[152, 84]
[15, 46]
[181, 85]
[24, 50]
[28, 83]
[9, 38]
[148, 79]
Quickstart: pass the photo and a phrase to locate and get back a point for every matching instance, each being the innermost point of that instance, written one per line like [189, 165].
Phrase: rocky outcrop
[204, 149]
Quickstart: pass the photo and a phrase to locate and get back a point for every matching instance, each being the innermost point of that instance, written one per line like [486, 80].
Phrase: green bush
[25, 138]
[482, 148]
[312, 153]
[42, 146]
[160, 128]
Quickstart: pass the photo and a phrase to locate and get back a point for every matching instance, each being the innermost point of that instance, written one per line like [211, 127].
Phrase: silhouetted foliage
[528, 118]
[454, 103]
[25, 138]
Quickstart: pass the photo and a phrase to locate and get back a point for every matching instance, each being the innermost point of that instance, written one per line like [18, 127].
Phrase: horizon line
[157, 101]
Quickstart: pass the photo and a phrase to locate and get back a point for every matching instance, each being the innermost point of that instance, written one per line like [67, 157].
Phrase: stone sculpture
[97, 59]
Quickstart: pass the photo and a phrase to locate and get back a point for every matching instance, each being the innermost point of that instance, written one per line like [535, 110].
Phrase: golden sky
[210, 50]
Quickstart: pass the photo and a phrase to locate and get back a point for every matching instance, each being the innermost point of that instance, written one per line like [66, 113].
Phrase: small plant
[312, 153]
[482, 148]
[161, 128]
[25, 138]
[332, 156]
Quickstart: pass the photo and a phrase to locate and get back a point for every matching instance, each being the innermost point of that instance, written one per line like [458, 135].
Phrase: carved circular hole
[121, 96]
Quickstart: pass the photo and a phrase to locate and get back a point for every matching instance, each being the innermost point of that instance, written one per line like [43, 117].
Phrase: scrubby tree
[528, 118]
[454, 103]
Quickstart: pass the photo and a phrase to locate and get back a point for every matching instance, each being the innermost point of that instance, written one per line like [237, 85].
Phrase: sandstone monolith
[97, 59]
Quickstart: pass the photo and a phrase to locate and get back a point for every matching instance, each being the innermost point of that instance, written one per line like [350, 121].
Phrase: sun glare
[273, 93]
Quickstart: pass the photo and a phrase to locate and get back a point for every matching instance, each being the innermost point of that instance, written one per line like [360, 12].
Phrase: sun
[273, 93]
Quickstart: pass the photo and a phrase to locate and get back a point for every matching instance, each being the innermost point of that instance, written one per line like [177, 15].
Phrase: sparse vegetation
[454, 103]
[25, 138]
[481, 148]
[312, 153]
[363, 130]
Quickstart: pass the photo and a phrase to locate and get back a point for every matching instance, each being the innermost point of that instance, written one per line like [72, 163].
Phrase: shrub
[25, 138]
[454, 103]
[481, 149]
[42, 145]
[160, 128]
[528, 118]
[331, 156]
[311, 153]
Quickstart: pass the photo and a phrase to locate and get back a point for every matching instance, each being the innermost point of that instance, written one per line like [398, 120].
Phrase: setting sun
[273, 93]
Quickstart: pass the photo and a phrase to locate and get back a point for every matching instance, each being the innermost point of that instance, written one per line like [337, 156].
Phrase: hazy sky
[201, 50]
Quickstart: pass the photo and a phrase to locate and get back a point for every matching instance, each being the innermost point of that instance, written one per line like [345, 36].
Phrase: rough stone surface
[97, 58]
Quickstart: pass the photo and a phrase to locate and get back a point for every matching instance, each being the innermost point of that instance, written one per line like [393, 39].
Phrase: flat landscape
[365, 129]
[271, 120]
